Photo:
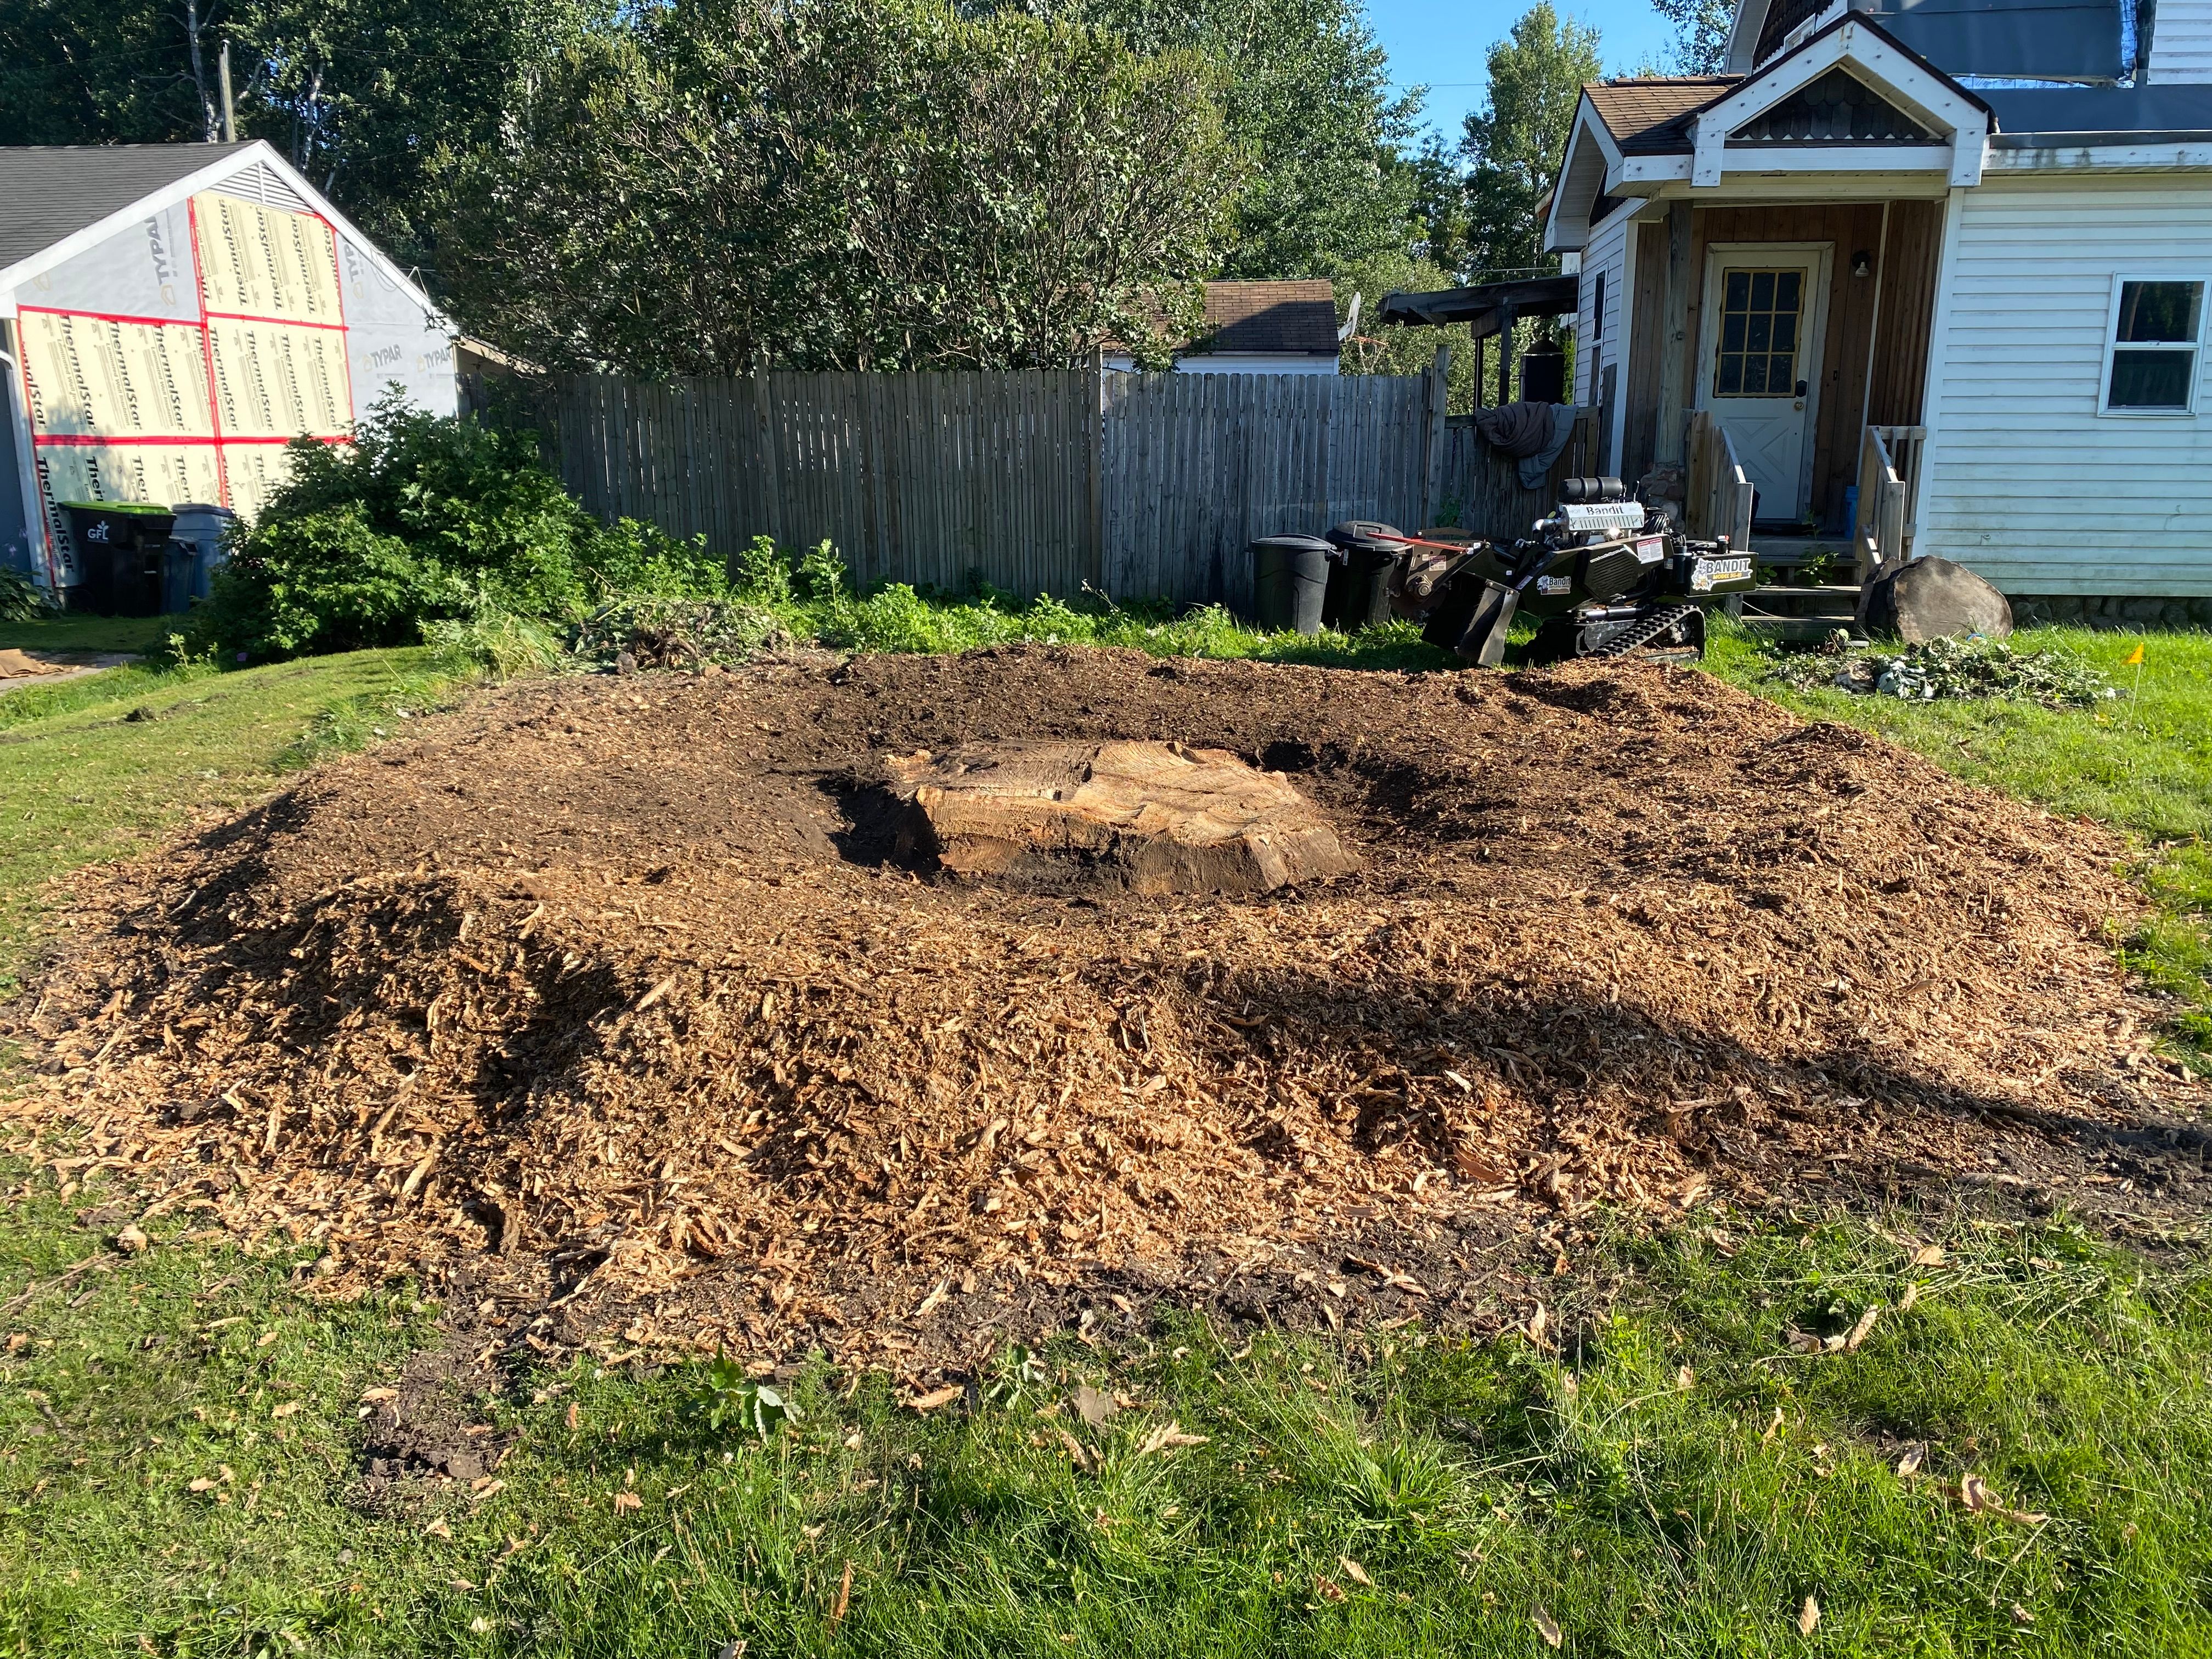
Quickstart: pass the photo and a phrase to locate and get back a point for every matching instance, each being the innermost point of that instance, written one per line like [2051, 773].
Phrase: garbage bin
[1290, 580]
[118, 555]
[1359, 580]
[203, 529]
[1544, 373]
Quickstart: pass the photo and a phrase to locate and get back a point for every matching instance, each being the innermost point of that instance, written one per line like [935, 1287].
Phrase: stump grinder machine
[1604, 574]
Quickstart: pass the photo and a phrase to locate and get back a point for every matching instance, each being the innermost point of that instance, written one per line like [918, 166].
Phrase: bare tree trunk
[199, 70]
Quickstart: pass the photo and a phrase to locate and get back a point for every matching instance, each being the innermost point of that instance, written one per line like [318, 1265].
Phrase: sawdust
[607, 1000]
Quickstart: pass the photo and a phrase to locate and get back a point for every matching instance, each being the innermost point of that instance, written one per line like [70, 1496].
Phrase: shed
[1260, 328]
[171, 316]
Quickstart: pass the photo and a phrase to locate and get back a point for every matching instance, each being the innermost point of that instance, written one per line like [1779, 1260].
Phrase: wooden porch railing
[1718, 493]
[1889, 494]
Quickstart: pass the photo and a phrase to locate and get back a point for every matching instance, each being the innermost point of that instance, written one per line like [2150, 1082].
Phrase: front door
[1758, 361]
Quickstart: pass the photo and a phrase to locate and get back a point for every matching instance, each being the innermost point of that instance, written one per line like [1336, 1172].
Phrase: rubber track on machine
[1638, 635]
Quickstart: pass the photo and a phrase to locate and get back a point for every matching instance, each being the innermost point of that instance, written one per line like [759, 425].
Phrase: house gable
[1936, 106]
[1838, 109]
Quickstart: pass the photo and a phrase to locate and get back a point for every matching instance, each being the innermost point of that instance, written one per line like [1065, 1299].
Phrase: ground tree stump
[1152, 817]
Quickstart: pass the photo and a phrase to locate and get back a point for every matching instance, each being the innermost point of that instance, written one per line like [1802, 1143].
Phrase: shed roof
[1287, 319]
[49, 192]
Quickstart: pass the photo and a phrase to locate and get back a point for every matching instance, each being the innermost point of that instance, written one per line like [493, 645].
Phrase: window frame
[2114, 346]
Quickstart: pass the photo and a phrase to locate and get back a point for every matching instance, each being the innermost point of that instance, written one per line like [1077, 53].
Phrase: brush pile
[622, 988]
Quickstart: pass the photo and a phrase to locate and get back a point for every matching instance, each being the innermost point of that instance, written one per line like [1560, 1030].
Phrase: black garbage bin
[118, 554]
[1359, 580]
[1290, 580]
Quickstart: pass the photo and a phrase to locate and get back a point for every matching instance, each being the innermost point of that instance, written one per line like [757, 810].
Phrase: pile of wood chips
[611, 990]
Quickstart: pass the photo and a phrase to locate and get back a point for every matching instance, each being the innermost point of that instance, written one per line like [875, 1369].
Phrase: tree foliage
[1514, 144]
[1701, 34]
[842, 184]
[1305, 93]
[364, 96]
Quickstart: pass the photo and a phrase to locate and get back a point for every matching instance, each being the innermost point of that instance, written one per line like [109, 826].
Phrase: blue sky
[1442, 43]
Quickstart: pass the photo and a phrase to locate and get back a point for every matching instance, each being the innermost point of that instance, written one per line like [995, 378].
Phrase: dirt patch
[608, 998]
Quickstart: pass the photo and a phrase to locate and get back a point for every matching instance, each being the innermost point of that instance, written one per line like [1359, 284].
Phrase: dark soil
[607, 1003]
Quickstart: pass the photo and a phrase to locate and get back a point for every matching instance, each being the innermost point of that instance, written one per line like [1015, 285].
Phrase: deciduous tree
[841, 184]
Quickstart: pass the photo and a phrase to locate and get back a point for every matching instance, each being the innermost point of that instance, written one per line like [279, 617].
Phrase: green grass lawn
[72, 632]
[180, 1430]
[2142, 763]
[97, 768]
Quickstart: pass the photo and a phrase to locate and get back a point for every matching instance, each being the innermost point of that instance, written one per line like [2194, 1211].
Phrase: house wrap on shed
[171, 316]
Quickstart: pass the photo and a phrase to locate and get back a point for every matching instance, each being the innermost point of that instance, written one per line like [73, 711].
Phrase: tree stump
[1153, 818]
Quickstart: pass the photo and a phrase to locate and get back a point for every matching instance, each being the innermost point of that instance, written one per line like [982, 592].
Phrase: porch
[1776, 352]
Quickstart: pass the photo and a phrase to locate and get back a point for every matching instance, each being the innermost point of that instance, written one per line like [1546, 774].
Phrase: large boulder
[1933, 599]
[1157, 817]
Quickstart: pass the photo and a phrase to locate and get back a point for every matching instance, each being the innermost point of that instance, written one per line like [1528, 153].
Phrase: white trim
[1932, 383]
[1812, 327]
[2196, 347]
[1889, 71]
[1586, 120]
[1780, 158]
[2093, 153]
[1624, 349]
[1798, 189]
[1743, 35]
[260, 153]
[27, 469]
[1915, 88]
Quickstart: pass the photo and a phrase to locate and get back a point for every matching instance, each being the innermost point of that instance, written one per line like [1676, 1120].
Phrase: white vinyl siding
[2025, 480]
[1604, 338]
[2181, 41]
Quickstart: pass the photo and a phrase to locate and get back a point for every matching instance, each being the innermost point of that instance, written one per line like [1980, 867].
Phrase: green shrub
[20, 599]
[426, 519]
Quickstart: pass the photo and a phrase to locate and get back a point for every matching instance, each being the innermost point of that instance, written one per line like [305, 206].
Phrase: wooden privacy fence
[1134, 484]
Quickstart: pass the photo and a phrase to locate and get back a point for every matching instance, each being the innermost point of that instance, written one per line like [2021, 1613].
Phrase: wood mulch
[605, 1001]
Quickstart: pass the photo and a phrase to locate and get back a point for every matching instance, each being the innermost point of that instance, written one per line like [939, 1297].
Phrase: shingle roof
[1295, 319]
[1651, 116]
[47, 193]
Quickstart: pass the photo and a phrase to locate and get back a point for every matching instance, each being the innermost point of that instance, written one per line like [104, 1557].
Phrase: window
[1760, 312]
[2156, 328]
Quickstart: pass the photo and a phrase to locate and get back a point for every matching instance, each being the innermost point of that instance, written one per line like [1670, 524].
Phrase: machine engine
[1606, 575]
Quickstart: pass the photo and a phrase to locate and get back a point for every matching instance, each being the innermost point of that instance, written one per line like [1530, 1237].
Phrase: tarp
[2014, 39]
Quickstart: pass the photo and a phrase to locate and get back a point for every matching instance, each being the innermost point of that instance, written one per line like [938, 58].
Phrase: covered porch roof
[1489, 308]
[1847, 109]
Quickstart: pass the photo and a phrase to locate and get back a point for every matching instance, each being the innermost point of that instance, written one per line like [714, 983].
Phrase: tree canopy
[1513, 145]
[842, 184]
[1305, 93]
[1701, 34]
[364, 96]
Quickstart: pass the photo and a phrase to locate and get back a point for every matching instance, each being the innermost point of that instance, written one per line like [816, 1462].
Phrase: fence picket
[1146, 484]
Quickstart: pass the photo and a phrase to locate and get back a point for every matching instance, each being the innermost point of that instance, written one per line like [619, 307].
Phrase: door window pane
[1760, 313]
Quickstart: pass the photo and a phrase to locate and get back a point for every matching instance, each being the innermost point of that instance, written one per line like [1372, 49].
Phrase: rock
[1931, 598]
[1156, 817]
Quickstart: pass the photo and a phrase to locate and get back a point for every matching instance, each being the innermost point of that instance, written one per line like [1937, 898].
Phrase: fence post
[1435, 393]
[1094, 425]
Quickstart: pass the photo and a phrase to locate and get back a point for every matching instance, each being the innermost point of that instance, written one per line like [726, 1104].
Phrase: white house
[171, 316]
[1886, 269]
[1260, 328]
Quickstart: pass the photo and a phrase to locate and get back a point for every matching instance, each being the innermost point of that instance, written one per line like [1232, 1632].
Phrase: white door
[1758, 361]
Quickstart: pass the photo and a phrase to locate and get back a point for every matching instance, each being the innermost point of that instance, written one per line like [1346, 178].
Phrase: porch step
[1781, 599]
[1795, 552]
[1798, 614]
